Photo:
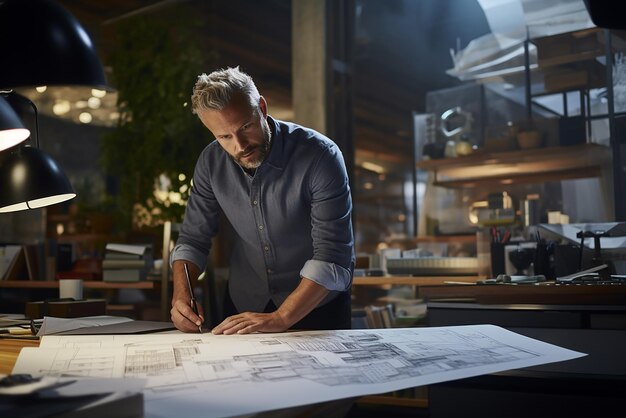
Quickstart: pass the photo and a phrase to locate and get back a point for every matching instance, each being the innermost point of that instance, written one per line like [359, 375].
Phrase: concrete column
[309, 64]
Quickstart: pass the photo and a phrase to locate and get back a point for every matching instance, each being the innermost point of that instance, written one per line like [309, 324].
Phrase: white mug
[71, 288]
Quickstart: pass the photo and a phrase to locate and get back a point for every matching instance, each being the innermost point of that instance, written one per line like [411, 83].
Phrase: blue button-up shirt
[292, 219]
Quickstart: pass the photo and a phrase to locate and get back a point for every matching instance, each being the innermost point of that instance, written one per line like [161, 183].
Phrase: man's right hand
[182, 314]
[183, 317]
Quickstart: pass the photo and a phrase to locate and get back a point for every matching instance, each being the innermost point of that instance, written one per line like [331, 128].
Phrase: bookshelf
[89, 284]
[45, 289]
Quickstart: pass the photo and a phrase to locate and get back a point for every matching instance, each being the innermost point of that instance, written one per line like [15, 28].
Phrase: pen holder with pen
[544, 259]
[497, 258]
[522, 258]
[515, 258]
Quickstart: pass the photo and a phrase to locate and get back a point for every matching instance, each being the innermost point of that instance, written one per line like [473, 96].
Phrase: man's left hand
[247, 322]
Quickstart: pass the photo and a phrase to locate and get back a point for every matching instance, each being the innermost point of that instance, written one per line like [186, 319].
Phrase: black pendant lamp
[30, 179]
[12, 131]
[42, 44]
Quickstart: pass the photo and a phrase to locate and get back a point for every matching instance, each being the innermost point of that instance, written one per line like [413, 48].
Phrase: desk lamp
[41, 44]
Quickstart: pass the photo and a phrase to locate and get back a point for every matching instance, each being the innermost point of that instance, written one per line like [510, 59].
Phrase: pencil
[193, 298]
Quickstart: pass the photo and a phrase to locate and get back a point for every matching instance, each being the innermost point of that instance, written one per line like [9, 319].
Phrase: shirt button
[260, 226]
[266, 248]
[254, 202]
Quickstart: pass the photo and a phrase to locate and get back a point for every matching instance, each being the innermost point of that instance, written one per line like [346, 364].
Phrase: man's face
[241, 130]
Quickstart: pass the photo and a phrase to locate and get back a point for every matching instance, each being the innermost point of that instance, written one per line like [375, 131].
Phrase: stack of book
[21, 262]
[379, 316]
[126, 263]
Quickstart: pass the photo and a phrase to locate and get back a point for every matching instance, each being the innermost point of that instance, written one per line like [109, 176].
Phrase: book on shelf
[112, 263]
[379, 316]
[124, 275]
[22, 262]
[387, 315]
[31, 257]
[9, 255]
[11, 259]
[113, 250]
[114, 255]
[126, 262]
[373, 317]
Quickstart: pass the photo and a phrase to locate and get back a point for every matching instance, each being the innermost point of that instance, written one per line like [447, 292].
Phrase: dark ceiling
[401, 52]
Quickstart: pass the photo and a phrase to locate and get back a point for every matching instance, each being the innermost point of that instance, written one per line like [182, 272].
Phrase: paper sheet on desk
[72, 397]
[209, 375]
[70, 386]
[53, 325]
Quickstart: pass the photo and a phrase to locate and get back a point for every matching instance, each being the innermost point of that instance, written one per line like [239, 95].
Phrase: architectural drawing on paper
[326, 358]
[227, 375]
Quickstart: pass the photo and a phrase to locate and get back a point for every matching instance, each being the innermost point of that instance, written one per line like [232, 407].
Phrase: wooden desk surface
[412, 280]
[87, 284]
[10, 350]
[572, 294]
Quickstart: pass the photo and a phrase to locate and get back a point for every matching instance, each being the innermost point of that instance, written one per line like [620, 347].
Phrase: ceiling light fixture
[378, 169]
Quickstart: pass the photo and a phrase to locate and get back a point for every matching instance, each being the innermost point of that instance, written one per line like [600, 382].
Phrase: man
[284, 189]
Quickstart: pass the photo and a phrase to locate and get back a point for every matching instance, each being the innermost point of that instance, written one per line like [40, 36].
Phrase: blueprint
[228, 375]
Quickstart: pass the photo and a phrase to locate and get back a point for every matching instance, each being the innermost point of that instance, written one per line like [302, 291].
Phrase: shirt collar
[276, 157]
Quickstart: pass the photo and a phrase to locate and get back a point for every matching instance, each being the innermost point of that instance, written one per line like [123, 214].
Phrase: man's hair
[214, 91]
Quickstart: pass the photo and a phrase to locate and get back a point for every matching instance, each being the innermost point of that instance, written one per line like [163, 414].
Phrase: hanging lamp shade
[12, 132]
[41, 44]
[604, 14]
[30, 179]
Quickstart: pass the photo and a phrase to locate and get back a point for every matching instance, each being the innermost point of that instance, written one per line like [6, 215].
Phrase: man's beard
[263, 150]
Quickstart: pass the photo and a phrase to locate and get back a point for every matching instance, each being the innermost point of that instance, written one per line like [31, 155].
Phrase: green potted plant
[152, 151]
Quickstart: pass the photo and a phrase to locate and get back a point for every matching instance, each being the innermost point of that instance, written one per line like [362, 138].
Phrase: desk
[568, 294]
[412, 280]
[590, 386]
[10, 350]
[527, 315]
[363, 286]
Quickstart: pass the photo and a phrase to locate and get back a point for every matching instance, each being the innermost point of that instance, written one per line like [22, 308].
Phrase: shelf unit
[87, 284]
[574, 57]
[45, 288]
[522, 166]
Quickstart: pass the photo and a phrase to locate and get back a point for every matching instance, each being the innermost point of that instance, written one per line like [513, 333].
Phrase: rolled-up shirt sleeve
[329, 275]
[333, 258]
[201, 219]
[189, 253]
